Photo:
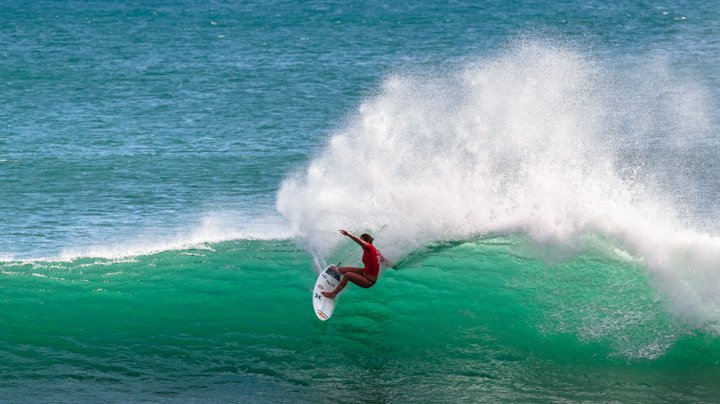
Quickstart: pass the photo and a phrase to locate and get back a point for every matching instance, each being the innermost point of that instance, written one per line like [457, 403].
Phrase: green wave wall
[494, 319]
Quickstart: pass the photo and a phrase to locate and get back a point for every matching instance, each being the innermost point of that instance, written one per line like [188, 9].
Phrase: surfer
[363, 277]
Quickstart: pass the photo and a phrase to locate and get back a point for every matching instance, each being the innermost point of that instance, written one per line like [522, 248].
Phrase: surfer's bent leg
[344, 270]
[356, 278]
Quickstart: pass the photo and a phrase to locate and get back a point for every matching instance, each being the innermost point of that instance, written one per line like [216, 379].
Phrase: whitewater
[534, 141]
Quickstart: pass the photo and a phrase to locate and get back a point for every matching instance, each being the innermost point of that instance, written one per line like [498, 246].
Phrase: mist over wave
[541, 139]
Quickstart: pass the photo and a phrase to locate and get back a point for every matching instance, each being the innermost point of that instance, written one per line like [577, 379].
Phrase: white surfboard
[327, 281]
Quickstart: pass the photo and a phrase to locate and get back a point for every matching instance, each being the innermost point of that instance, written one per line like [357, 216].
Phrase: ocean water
[544, 176]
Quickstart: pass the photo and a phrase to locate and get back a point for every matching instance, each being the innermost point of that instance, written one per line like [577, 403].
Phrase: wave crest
[531, 141]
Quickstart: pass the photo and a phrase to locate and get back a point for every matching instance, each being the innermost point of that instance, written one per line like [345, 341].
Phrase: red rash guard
[371, 261]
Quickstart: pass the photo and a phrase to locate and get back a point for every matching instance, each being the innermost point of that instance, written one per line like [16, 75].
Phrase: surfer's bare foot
[329, 295]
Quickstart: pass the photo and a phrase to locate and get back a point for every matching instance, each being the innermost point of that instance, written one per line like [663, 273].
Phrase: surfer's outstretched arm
[353, 237]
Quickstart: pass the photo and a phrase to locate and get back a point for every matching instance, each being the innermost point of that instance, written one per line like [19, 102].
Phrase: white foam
[528, 141]
[213, 227]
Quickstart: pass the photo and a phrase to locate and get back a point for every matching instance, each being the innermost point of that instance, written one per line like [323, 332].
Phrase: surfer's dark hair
[368, 238]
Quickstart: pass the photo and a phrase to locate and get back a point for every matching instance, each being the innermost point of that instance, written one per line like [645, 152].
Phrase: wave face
[480, 320]
[541, 140]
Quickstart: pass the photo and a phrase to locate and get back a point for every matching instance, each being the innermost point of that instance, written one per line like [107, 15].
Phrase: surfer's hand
[344, 233]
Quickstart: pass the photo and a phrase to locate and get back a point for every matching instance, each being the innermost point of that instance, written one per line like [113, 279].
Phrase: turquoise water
[543, 174]
[480, 320]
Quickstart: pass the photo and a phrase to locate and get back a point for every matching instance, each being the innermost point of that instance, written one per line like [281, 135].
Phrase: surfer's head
[366, 238]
